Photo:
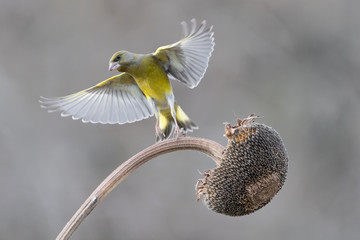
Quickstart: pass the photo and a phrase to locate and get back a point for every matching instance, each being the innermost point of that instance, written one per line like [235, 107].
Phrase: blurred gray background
[295, 62]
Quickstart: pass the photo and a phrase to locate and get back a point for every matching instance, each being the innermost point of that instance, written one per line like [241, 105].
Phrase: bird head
[120, 59]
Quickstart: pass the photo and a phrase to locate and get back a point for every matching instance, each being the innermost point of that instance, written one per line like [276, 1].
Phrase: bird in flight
[143, 87]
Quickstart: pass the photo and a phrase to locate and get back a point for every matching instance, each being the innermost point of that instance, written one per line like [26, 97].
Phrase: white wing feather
[187, 59]
[116, 100]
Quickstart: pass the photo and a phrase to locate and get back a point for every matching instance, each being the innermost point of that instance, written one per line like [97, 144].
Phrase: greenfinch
[143, 88]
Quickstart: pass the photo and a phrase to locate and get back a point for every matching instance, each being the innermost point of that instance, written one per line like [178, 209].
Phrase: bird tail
[167, 123]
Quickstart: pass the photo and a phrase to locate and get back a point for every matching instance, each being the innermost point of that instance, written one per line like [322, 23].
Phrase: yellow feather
[181, 115]
[163, 121]
[151, 79]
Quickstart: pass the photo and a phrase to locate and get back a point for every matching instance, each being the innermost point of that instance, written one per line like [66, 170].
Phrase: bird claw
[158, 132]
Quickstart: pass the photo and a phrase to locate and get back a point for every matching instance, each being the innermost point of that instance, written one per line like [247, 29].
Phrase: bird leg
[177, 130]
[157, 128]
[158, 131]
[171, 101]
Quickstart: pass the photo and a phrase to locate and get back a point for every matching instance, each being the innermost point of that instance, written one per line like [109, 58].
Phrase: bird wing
[115, 100]
[187, 59]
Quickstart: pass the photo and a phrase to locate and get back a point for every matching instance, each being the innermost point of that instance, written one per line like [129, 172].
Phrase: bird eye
[117, 58]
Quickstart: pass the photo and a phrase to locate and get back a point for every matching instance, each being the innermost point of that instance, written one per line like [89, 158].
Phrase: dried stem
[210, 148]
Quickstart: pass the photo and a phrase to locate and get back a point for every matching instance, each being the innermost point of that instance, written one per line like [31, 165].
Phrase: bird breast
[152, 79]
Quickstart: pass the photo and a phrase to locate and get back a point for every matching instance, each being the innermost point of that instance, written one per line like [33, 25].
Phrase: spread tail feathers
[167, 123]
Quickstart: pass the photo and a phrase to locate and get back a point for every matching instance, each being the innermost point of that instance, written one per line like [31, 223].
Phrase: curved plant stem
[210, 148]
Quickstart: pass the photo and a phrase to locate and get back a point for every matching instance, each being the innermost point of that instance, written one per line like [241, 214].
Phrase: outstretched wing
[187, 59]
[115, 100]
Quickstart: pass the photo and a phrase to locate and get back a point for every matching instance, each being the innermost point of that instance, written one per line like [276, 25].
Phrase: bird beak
[113, 66]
